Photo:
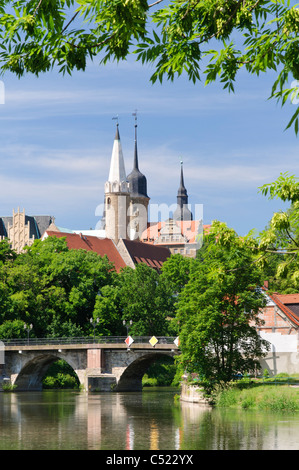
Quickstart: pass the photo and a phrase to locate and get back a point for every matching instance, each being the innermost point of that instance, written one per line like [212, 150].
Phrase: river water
[149, 420]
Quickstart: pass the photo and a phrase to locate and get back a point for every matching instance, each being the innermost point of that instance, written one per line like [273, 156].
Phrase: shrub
[60, 375]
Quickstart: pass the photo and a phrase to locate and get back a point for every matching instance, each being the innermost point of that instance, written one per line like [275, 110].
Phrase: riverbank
[259, 397]
[255, 395]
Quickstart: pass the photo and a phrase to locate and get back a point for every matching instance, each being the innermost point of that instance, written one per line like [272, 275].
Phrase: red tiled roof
[102, 246]
[288, 298]
[291, 302]
[288, 303]
[147, 253]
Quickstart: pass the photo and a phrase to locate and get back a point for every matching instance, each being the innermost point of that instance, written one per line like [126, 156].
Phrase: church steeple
[117, 173]
[182, 211]
[182, 191]
[137, 181]
[138, 211]
[116, 195]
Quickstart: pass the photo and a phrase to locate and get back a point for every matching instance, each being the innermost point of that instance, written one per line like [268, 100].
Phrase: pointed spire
[135, 164]
[137, 181]
[182, 191]
[117, 137]
[182, 211]
[117, 173]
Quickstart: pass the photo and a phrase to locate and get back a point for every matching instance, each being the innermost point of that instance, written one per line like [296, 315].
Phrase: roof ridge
[284, 308]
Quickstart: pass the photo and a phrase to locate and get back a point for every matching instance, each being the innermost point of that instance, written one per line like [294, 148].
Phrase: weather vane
[116, 118]
[135, 115]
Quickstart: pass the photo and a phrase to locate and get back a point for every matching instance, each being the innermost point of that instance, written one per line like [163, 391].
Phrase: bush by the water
[161, 373]
[60, 375]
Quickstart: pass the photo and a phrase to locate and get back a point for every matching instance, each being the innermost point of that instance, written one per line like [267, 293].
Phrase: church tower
[182, 211]
[116, 195]
[139, 200]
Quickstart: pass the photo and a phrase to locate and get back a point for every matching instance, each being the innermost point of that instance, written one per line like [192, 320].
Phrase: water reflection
[148, 420]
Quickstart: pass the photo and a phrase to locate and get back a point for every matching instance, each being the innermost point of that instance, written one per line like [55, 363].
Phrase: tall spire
[137, 181]
[182, 211]
[135, 164]
[182, 191]
[116, 194]
[117, 173]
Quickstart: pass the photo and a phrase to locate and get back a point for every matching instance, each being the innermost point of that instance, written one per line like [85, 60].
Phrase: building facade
[21, 230]
[281, 330]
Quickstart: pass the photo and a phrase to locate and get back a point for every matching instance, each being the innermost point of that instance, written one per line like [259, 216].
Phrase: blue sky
[57, 134]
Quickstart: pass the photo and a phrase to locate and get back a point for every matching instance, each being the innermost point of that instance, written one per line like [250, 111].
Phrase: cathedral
[125, 223]
[126, 208]
[126, 199]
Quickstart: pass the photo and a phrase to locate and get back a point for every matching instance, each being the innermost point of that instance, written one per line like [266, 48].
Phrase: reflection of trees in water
[151, 419]
[47, 405]
[222, 429]
[143, 419]
[38, 420]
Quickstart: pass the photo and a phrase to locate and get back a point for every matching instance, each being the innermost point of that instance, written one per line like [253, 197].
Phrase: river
[149, 420]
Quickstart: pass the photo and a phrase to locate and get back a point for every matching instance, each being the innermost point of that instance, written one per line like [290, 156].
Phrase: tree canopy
[52, 287]
[218, 310]
[64, 293]
[279, 242]
[201, 38]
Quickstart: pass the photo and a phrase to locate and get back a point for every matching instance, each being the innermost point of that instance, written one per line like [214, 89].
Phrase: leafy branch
[212, 37]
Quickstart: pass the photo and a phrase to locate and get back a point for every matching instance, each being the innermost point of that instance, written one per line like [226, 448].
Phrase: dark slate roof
[137, 181]
[3, 232]
[182, 211]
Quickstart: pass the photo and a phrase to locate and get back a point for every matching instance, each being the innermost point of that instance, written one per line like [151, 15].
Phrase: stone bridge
[102, 364]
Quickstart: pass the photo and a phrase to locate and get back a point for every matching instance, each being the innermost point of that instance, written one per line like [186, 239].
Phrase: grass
[259, 396]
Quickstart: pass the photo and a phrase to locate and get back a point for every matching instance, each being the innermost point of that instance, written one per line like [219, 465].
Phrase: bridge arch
[131, 378]
[32, 372]
[104, 365]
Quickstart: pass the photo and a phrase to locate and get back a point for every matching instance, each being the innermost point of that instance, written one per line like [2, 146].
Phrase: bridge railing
[85, 340]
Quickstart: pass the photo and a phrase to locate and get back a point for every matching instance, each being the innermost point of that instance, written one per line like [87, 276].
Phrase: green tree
[53, 288]
[176, 271]
[211, 38]
[6, 253]
[147, 300]
[108, 311]
[12, 329]
[279, 242]
[218, 309]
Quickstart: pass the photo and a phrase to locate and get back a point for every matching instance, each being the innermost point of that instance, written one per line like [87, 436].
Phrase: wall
[282, 335]
[192, 394]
